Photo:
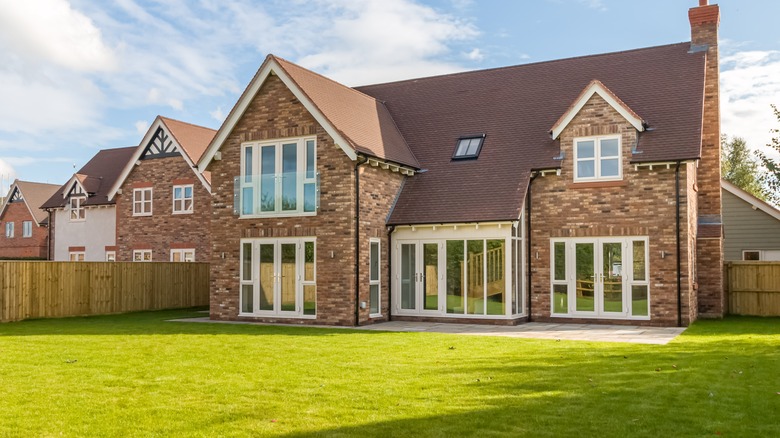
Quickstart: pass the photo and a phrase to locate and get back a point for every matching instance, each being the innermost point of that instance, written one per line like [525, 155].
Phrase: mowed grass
[139, 375]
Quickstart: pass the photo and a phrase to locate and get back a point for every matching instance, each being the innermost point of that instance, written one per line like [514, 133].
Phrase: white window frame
[141, 198]
[183, 199]
[185, 254]
[76, 256]
[375, 281]
[302, 177]
[77, 211]
[597, 158]
[110, 256]
[139, 255]
[627, 274]
[9, 230]
[254, 276]
[27, 229]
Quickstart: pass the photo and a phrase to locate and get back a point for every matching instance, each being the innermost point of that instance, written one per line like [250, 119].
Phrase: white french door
[277, 277]
[600, 278]
[420, 276]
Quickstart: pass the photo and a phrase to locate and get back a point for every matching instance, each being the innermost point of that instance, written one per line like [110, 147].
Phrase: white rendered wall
[97, 231]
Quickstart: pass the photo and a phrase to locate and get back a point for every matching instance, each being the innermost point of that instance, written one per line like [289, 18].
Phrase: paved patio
[533, 330]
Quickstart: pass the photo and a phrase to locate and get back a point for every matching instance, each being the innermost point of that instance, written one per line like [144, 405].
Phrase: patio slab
[532, 330]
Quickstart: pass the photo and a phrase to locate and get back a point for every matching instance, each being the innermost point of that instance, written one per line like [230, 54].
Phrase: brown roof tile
[193, 139]
[97, 177]
[34, 195]
[515, 108]
[359, 118]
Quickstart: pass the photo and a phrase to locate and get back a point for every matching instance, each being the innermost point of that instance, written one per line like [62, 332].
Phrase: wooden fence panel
[31, 289]
[753, 288]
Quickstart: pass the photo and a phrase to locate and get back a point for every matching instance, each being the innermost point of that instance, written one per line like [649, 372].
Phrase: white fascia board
[750, 199]
[158, 122]
[607, 96]
[69, 185]
[136, 156]
[271, 67]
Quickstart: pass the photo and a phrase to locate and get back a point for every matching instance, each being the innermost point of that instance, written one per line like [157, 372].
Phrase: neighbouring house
[25, 226]
[163, 203]
[751, 226]
[582, 189]
[83, 218]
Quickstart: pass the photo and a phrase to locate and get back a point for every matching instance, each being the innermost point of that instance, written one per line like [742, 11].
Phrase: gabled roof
[33, 194]
[96, 178]
[190, 140]
[515, 107]
[358, 123]
[750, 199]
[596, 87]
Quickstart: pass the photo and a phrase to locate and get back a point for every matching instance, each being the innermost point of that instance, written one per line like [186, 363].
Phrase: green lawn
[139, 375]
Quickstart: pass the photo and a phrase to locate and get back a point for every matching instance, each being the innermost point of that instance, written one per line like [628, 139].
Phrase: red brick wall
[18, 246]
[378, 191]
[163, 230]
[642, 204]
[276, 113]
[704, 31]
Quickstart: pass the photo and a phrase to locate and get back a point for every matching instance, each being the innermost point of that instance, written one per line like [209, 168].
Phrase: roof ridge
[352, 89]
[508, 67]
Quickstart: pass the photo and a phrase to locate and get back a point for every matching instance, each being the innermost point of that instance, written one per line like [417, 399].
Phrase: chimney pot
[703, 2]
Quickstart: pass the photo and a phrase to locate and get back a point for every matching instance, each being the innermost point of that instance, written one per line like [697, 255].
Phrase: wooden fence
[753, 288]
[57, 289]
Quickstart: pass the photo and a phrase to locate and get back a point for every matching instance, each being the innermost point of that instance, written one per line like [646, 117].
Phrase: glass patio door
[419, 276]
[598, 283]
[278, 278]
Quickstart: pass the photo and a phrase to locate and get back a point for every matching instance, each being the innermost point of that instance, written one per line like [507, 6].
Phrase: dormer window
[468, 147]
[77, 209]
[597, 159]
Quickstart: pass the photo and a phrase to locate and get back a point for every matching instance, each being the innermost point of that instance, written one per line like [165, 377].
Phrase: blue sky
[80, 75]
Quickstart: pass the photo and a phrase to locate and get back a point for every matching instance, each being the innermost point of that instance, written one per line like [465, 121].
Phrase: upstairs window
[27, 229]
[278, 178]
[468, 147]
[77, 209]
[182, 199]
[9, 229]
[142, 202]
[597, 159]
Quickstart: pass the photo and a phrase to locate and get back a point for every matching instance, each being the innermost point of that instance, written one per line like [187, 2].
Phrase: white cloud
[475, 55]
[594, 4]
[7, 176]
[217, 114]
[367, 42]
[141, 126]
[750, 82]
[53, 31]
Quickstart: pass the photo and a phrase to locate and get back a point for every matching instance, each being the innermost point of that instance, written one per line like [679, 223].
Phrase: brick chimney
[705, 20]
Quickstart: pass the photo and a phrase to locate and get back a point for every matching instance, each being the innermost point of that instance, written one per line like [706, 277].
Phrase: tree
[771, 178]
[739, 167]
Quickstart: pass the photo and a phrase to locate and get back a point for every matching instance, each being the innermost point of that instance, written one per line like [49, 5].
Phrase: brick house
[25, 226]
[83, 219]
[162, 200]
[583, 189]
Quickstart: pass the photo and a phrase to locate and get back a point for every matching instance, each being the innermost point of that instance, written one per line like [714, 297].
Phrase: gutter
[48, 237]
[357, 239]
[677, 230]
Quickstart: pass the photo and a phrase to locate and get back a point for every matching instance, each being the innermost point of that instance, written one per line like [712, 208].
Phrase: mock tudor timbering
[613, 218]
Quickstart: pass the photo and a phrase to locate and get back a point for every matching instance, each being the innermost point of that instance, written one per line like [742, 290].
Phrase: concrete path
[533, 330]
